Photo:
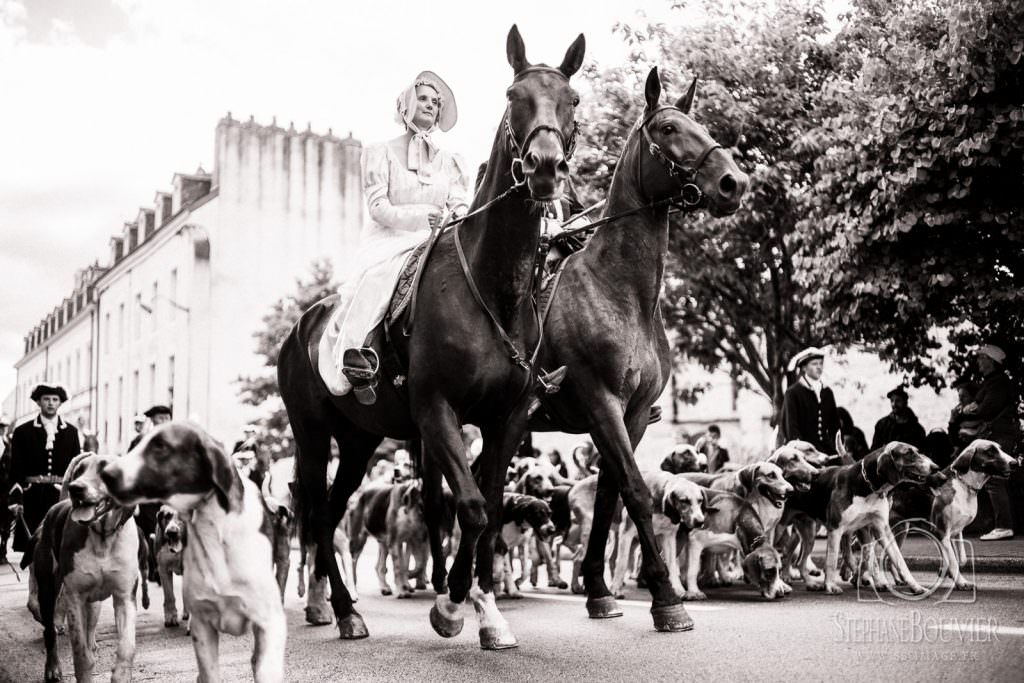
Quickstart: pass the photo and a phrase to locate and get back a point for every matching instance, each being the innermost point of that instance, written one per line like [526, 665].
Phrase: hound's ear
[573, 59]
[226, 482]
[69, 473]
[669, 509]
[962, 463]
[515, 50]
[685, 103]
[708, 505]
[652, 90]
[746, 477]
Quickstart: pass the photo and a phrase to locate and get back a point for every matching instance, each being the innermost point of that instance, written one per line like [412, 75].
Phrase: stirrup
[360, 366]
[547, 383]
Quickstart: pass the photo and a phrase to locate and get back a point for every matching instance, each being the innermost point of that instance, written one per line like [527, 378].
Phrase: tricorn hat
[47, 390]
[158, 410]
[808, 354]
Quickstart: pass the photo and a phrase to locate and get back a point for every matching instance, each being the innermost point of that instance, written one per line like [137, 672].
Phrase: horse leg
[356, 447]
[615, 444]
[442, 444]
[600, 601]
[500, 445]
[433, 514]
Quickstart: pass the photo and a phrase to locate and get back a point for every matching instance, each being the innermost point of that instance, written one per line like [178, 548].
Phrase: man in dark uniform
[809, 407]
[145, 518]
[41, 451]
[899, 425]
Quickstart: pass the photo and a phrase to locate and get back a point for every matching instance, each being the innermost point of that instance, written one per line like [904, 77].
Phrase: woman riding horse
[410, 185]
[468, 358]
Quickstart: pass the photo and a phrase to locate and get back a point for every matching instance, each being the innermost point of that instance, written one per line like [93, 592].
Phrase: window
[137, 316]
[78, 369]
[152, 384]
[135, 392]
[120, 406]
[172, 291]
[170, 380]
[155, 305]
[120, 326]
[106, 333]
[106, 412]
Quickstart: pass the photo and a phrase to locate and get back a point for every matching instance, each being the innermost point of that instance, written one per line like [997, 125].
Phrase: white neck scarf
[422, 153]
[815, 385]
[50, 425]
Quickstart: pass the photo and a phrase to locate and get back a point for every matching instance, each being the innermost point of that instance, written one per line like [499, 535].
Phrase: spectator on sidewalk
[995, 406]
[899, 425]
[963, 428]
[809, 407]
[710, 445]
[854, 441]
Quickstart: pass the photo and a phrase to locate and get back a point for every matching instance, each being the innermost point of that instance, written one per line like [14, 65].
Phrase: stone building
[190, 278]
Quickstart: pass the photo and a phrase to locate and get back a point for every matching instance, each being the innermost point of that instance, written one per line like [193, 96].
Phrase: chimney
[131, 237]
[188, 187]
[162, 213]
[116, 249]
[146, 223]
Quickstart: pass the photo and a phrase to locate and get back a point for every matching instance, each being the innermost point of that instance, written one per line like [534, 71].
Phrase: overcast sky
[101, 101]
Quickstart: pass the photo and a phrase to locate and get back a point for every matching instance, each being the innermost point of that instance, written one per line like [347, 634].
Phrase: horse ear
[652, 91]
[574, 56]
[685, 103]
[515, 50]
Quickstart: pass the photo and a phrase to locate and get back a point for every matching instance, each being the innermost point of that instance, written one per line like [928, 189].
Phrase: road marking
[690, 607]
[982, 628]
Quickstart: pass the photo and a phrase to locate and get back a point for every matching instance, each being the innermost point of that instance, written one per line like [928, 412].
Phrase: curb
[982, 565]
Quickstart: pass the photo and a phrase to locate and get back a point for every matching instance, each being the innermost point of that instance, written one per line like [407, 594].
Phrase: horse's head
[679, 158]
[540, 121]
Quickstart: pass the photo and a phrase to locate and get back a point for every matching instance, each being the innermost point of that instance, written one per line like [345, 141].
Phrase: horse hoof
[492, 638]
[604, 607]
[445, 626]
[317, 617]
[352, 627]
[671, 618]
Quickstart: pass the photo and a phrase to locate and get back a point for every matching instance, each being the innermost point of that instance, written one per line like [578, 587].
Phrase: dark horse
[604, 324]
[459, 368]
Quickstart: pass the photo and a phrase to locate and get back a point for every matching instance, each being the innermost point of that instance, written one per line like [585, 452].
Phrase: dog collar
[864, 474]
[964, 482]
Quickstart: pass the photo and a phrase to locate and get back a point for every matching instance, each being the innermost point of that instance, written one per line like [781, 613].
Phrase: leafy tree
[262, 390]
[732, 296]
[914, 223]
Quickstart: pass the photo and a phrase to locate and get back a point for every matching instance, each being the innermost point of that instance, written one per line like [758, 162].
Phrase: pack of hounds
[231, 542]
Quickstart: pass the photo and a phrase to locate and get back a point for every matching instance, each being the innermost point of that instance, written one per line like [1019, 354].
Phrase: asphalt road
[738, 636]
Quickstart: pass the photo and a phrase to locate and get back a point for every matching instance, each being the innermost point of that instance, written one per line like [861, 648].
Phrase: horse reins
[690, 195]
[517, 150]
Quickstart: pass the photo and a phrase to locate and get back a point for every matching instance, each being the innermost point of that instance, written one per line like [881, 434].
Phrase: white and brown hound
[677, 503]
[853, 497]
[953, 504]
[523, 519]
[229, 584]
[169, 541]
[88, 549]
[392, 514]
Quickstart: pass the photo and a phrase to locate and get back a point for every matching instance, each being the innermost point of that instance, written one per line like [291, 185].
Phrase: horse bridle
[517, 150]
[690, 195]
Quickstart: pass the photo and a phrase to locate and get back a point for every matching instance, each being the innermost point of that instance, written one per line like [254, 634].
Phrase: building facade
[189, 280]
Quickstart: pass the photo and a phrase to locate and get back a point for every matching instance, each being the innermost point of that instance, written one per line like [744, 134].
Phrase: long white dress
[399, 203]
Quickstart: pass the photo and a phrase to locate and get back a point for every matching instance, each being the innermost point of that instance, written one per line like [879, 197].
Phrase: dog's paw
[785, 588]
[404, 594]
[577, 589]
[694, 595]
[964, 586]
[386, 591]
[833, 589]
[557, 583]
[915, 588]
[814, 586]
[171, 621]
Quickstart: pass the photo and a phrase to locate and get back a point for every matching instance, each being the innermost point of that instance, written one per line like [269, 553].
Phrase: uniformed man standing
[41, 451]
[809, 408]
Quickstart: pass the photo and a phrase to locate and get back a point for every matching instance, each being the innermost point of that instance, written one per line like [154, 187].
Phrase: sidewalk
[1005, 557]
